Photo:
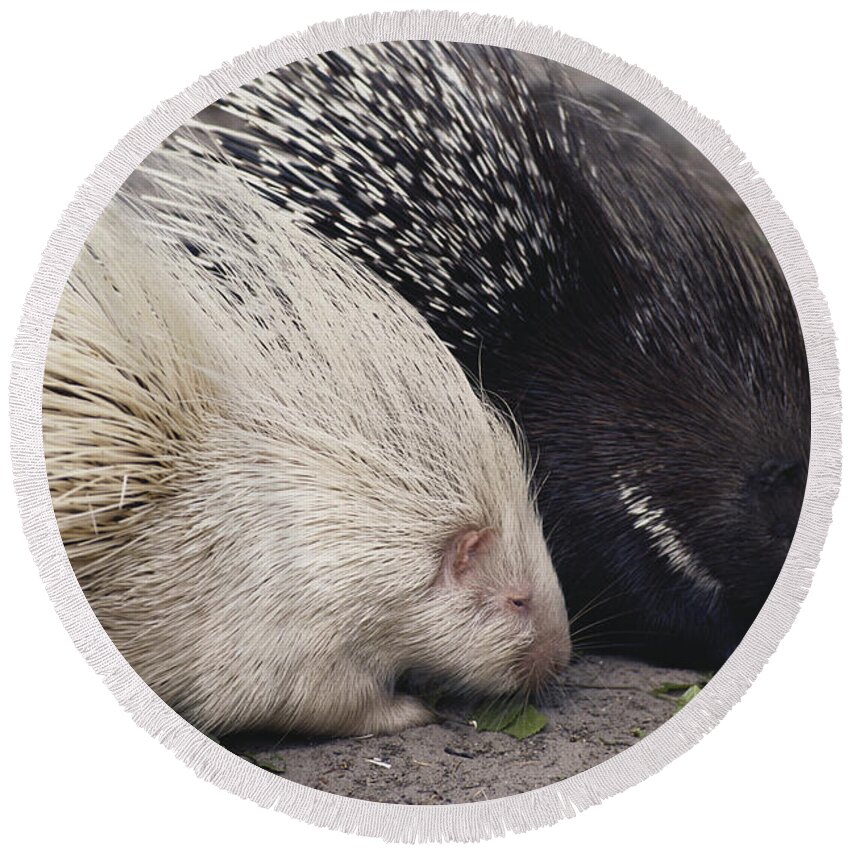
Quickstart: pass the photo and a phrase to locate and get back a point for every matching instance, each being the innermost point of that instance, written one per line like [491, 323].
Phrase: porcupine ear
[462, 552]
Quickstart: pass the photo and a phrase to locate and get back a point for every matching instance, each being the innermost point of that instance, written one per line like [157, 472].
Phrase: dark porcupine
[600, 277]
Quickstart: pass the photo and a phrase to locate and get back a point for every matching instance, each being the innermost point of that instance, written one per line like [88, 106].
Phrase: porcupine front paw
[397, 712]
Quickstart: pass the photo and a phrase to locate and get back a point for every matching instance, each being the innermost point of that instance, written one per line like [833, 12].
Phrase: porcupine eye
[518, 603]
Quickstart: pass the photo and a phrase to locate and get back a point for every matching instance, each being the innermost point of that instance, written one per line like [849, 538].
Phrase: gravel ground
[603, 707]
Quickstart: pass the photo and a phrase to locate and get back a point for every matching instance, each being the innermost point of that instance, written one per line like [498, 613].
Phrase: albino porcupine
[599, 275]
[276, 487]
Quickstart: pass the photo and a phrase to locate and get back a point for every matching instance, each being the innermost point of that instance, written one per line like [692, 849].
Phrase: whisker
[592, 602]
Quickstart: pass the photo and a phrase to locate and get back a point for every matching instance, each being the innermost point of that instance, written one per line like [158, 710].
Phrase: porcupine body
[591, 271]
[276, 487]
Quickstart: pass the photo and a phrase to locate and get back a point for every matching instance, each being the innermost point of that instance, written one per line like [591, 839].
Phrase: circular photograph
[426, 422]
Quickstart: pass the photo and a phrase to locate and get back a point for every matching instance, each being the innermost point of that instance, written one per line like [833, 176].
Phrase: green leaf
[528, 722]
[268, 761]
[496, 717]
[519, 721]
[687, 696]
[678, 692]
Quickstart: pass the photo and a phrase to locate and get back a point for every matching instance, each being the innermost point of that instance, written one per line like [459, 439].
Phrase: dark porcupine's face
[671, 421]
[666, 398]
[669, 508]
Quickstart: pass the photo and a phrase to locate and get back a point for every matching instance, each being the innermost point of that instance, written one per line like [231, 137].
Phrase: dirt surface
[604, 706]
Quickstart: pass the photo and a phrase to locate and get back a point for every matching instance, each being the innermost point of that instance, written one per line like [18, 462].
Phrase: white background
[76, 77]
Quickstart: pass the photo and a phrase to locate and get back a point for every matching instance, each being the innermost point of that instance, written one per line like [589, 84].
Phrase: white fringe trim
[467, 821]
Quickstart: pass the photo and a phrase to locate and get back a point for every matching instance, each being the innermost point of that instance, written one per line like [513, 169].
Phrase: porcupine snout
[551, 650]
[549, 656]
[777, 491]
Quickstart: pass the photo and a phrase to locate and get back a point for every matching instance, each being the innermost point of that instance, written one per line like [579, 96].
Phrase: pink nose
[548, 656]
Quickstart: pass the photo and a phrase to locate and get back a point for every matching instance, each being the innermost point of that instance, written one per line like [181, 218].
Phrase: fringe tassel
[468, 821]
